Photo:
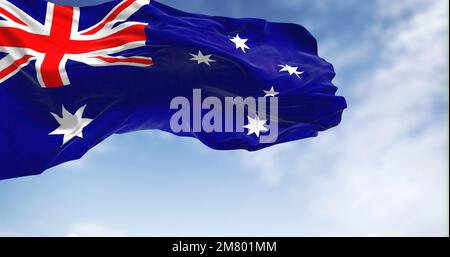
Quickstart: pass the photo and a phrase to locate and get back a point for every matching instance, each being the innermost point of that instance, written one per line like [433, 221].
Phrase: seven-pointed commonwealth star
[255, 125]
[200, 58]
[291, 70]
[240, 43]
[271, 92]
[71, 125]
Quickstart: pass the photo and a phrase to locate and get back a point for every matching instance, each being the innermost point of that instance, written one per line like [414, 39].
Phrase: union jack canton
[52, 43]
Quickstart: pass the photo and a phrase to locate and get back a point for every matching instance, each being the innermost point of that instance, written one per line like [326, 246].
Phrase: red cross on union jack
[24, 39]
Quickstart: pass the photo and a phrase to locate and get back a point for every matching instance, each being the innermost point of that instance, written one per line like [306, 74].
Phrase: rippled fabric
[125, 98]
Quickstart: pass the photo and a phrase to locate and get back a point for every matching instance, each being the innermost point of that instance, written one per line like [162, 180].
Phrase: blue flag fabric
[71, 77]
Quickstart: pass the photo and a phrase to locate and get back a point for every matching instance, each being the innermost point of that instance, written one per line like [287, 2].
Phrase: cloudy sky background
[383, 171]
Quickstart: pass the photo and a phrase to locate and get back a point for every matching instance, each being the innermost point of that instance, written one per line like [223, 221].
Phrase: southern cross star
[271, 92]
[70, 125]
[291, 70]
[255, 126]
[200, 58]
[240, 43]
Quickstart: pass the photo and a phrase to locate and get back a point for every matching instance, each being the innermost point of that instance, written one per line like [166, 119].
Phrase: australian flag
[70, 77]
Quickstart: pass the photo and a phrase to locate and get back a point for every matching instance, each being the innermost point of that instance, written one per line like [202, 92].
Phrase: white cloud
[7, 233]
[384, 170]
[93, 230]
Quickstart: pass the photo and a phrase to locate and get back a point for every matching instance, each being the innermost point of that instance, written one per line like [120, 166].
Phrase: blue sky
[383, 171]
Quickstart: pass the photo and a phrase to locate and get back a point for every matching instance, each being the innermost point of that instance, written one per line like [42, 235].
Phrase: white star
[271, 92]
[71, 125]
[255, 125]
[240, 43]
[291, 70]
[200, 58]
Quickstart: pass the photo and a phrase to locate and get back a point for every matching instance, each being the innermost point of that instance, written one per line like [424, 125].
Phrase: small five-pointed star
[71, 125]
[255, 126]
[201, 58]
[291, 70]
[240, 43]
[271, 92]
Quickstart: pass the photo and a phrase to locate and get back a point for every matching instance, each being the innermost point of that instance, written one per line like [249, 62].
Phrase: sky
[382, 172]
